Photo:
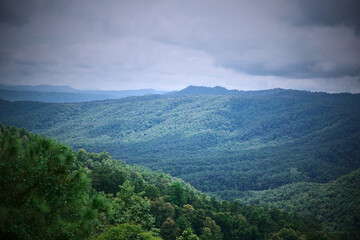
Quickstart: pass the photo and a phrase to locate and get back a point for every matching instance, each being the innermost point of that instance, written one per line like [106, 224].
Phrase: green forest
[49, 191]
[222, 145]
[335, 204]
[201, 163]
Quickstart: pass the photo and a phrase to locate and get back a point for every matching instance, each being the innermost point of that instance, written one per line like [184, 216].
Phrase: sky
[169, 44]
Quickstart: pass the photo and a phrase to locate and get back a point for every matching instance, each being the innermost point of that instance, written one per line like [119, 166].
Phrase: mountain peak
[201, 90]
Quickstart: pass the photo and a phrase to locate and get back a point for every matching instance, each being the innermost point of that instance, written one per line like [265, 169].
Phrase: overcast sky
[168, 44]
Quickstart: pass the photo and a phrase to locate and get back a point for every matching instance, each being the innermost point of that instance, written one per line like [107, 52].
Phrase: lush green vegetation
[220, 144]
[49, 191]
[336, 204]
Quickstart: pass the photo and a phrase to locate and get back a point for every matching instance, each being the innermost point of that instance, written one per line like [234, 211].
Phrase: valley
[293, 150]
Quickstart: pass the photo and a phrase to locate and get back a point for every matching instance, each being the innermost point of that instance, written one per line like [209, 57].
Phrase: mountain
[199, 90]
[223, 145]
[49, 191]
[64, 94]
[221, 91]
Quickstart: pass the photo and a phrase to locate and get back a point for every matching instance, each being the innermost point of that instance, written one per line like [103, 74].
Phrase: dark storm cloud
[330, 13]
[16, 12]
[170, 44]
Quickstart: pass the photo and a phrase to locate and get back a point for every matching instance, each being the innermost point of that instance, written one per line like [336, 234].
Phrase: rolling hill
[335, 204]
[49, 191]
[221, 144]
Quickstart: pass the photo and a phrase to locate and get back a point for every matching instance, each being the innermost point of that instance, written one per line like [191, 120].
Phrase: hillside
[49, 191]
[336, 204]
[220, 144]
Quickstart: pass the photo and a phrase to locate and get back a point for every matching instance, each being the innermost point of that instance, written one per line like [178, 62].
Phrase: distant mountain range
[66, 94]
[63, 94]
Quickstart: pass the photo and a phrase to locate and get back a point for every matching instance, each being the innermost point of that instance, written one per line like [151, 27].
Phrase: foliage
[287, 234]
[53, 209]
[131, 208]
[169, 230]
[335, 204]
[128, 232]
[188, 234]
[221, 144]
[44, 193]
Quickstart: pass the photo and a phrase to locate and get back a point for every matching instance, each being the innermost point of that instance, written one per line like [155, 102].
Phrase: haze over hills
[62, 94]
[220, 144]
[66, 94]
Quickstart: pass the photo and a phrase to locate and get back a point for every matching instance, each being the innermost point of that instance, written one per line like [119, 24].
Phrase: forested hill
[336, 204]
[49, 191]
[220, 144]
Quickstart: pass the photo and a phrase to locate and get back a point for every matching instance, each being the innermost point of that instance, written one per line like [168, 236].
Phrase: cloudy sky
[169, 44]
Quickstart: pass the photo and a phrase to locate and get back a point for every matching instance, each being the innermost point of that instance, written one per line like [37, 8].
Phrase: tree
[188, 234]
[287, 234]
[130, 207]
[177, 195]
[151, 192]
[211, 230]
[44, 193]
[169, 230]
[161, 210]
[106, 178]
[183, 223]
[129, 232]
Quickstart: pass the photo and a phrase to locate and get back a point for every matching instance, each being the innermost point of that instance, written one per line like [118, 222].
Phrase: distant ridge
[218, 90]
[200, 90]
[65, 94]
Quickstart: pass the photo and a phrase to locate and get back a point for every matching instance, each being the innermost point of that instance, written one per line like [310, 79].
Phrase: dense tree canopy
[335, 204]
[46, 193]
[222, 144]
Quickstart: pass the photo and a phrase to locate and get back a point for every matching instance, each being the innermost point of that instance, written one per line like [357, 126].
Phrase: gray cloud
[171, 44]
[330, 13]
[16, 12]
